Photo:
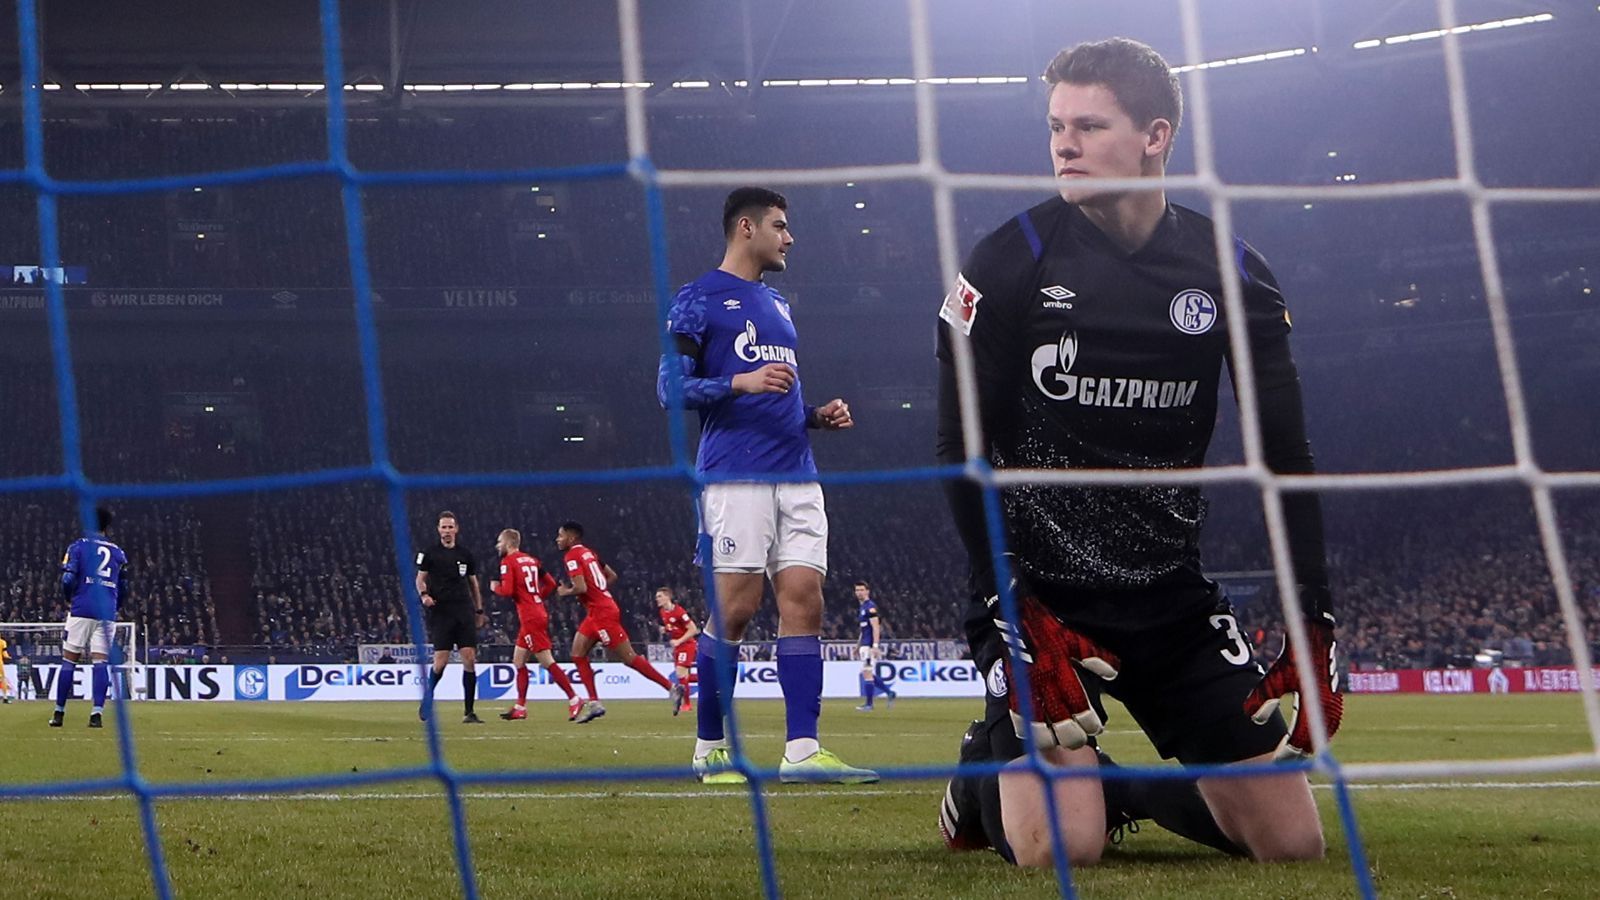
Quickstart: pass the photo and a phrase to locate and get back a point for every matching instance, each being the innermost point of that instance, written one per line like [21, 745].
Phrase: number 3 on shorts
[1239, 654]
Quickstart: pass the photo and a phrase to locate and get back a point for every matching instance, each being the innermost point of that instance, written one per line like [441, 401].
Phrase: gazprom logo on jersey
[928, 671]
[1193, 311]
[749, 348]
[250, 682]
[1052, 375]
[304, 682]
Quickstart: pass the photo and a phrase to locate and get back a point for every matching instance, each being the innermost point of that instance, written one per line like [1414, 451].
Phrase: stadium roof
[726, 43]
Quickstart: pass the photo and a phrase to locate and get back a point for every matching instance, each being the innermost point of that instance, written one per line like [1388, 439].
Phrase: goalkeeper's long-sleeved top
[1090, 357]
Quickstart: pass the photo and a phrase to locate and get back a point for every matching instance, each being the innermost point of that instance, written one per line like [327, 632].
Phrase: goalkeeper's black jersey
[1088, 357]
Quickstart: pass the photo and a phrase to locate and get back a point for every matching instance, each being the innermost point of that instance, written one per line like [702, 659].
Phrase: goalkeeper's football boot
[823, 767]
[1121, 818]
[961, 810]
[1174, 804]
[56, 718]
[716, 767]
[94, 721]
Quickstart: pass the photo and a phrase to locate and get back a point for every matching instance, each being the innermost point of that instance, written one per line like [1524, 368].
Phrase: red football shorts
[683, 654]
[535, 635]
[604, 630]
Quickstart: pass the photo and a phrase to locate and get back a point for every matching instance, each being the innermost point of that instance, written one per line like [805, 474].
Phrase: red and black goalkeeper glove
[1283, 680]
[1061, 708]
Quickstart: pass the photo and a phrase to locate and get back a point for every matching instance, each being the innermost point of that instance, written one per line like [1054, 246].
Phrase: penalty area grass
[1484, 836]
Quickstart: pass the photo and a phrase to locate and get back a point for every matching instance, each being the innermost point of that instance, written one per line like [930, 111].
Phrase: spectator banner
[405, 654]
[524, 300]
[1531, 680]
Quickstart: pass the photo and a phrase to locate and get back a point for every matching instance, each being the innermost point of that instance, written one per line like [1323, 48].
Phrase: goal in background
[36, 646]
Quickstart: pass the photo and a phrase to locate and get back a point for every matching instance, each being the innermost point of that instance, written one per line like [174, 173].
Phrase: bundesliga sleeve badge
[960, 307]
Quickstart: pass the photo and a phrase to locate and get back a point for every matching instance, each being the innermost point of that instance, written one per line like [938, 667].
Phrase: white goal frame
[47, 637]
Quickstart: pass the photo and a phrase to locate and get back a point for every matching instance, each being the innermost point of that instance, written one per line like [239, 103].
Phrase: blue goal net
[383, 470]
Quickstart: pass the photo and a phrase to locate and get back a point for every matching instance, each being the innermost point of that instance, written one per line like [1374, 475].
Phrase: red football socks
[559, 678]
[586, 675]
[638, 664]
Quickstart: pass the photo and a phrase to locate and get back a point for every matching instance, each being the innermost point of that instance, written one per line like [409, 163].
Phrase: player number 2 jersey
[92, 574]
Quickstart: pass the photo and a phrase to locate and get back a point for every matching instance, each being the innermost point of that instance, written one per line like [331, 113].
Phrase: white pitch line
[1462, 785]
[736, 794]
[505, 795]
[263, 737]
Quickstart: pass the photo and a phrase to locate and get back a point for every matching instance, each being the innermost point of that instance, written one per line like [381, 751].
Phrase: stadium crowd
[1398, 366]
[1423, 577]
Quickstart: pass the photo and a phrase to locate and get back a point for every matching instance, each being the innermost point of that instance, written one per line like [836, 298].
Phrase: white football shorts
[756, 527]
[866, 654]
[87, 634]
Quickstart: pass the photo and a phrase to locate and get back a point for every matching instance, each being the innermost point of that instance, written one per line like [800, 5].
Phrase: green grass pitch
[1494, 837]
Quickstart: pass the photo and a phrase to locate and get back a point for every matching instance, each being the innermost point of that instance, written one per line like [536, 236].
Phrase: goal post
[36, 644]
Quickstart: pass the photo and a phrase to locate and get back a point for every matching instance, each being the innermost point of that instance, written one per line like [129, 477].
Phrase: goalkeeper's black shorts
[1183, 680]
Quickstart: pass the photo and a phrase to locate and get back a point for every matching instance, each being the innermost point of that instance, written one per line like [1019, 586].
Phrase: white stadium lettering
[747, 348]
[1052, 366]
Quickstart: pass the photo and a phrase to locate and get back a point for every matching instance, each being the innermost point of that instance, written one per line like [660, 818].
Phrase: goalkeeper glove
[1283, 680]
[1061, 708]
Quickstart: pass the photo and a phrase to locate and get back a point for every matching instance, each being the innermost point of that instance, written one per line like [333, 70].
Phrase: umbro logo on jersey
[730, 304]
[1058, 297]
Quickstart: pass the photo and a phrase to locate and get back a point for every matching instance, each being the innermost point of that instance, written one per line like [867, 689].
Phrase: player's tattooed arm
[697, 392]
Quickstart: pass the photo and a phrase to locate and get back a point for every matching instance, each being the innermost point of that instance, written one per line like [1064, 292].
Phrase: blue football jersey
[869, 611]
[92, 577]
[739, 327]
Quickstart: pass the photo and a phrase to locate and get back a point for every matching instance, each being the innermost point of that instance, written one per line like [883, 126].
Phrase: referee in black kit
[448, 584]
[1098, 336]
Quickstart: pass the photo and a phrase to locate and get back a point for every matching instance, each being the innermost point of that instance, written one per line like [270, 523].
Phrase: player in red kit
[681, 631]
[526, 582]
[591, 580]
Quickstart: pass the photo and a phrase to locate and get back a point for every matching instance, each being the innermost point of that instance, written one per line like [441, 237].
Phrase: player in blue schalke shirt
[870, 648]
[735, 350]
[93, 583]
